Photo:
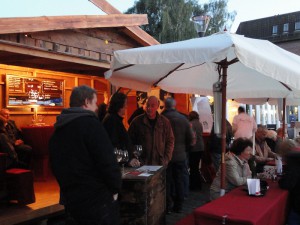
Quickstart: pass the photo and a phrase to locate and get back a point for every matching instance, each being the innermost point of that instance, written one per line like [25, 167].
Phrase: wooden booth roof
[74, 44]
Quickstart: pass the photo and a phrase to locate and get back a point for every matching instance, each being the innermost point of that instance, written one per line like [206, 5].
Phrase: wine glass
[119, 154]
[40, 119]
[125, 159]
[138, 149]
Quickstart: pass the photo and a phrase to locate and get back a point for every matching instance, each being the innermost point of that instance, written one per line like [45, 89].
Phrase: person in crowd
[175, 171]
[243, 125]
[113, 121]
[196, 151]
[83, 162]
[280, 133]
[285, 147]
[297, 141]
[291, 181]
[271, 139]
[215, 145]
[23, 151]
[263, 152]
[102, 108]
[237, 168]
[139, 111]
[7, 147]
[154, 133]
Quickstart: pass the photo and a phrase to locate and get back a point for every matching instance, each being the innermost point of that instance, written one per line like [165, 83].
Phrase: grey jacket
[182, 133]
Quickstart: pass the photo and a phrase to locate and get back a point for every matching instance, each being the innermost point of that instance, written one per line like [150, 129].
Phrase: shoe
[169, 211]
[177, 210]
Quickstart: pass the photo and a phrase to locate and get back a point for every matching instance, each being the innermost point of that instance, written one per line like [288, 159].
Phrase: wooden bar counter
[143, 198]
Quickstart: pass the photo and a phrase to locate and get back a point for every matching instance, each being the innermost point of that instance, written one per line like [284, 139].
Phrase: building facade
[284, 31]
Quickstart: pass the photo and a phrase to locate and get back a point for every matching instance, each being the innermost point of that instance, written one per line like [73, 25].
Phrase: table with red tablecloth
[237, 208]
[38, 138]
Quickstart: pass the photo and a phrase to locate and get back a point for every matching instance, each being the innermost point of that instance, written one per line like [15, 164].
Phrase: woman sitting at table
[237, 168]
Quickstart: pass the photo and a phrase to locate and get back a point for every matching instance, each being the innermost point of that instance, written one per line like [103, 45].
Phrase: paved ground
[194, 200]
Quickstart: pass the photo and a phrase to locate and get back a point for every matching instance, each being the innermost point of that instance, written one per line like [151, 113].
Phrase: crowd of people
[83, 161]
[170, 139]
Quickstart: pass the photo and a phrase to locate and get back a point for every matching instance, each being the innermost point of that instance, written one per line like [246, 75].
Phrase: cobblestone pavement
[194, 200]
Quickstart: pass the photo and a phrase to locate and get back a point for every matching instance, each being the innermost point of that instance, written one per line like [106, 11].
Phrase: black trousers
[106, 214]
[175, 184]
[195, 177]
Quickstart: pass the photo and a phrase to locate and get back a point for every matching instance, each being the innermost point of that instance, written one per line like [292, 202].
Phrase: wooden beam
[46, 23]
[16, 48]
[135, 32]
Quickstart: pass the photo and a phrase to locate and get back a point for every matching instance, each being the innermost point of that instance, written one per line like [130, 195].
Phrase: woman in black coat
[196, 151]
[113, 121]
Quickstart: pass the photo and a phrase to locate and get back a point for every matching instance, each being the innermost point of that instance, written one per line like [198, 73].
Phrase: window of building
[285, 28]
[275, 30]
[297, 26]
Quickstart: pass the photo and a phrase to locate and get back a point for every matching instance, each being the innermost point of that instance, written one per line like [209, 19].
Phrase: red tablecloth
[38, 138]
[243, 209]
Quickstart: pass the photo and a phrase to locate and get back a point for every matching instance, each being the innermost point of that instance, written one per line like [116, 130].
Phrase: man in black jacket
[83, 162]
[175, 171]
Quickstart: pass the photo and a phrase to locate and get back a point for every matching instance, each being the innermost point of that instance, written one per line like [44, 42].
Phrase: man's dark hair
[80, 94]
[116, 102]
[241, 109]
[170, 103]
[239, 145]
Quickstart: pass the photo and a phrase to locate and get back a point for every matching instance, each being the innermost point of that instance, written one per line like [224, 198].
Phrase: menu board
[34, 91]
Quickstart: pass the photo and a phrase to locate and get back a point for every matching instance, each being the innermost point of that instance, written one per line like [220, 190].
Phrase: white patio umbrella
[246, 67]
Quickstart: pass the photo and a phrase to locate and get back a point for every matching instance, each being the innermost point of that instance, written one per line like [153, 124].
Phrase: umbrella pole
[283, 117]
[223, 128]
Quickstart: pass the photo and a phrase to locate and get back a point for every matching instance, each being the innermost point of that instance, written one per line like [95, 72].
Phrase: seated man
[6, 146]
[263, 152]
[14, 135]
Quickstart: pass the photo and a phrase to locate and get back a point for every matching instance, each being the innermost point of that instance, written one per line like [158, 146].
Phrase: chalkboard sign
[21, 91]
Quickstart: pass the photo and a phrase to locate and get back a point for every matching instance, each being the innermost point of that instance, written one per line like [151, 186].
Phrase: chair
[20, 185]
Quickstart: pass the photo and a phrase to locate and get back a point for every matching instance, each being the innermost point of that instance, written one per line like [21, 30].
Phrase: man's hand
[134, 163]
[19, 142]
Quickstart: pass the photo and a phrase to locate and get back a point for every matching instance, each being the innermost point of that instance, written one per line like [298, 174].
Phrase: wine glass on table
[138, 149]
[119, 154]
[124, 160]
